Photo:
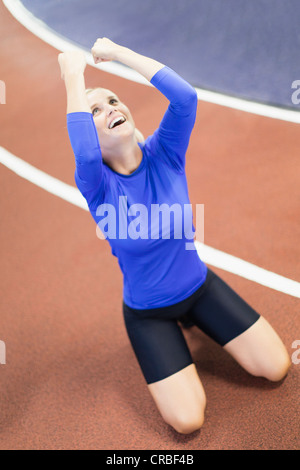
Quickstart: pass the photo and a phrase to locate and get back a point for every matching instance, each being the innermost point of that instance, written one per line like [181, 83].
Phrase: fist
[104, 50]
[71, 62]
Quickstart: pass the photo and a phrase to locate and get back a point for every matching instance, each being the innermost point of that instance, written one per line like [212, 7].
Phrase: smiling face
[112, 118]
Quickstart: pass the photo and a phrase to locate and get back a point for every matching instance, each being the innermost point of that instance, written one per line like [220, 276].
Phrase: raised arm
[81, 127]
[72, 66]
[172, 138]
[105, 50]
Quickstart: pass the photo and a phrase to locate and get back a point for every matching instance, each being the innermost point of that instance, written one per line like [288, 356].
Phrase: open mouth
[116, 122]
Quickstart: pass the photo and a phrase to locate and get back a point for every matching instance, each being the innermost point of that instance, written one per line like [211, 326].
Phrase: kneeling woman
[163, 281]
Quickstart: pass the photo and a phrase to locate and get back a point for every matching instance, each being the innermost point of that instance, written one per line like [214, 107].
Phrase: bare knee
[260, 351]
[189, 419]
[185, 423]
[278, 369]
[181, 400]
[186, 416]
[274, 368]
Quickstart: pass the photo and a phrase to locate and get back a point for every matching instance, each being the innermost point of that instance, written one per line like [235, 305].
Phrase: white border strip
[208, 254]
[41, 30]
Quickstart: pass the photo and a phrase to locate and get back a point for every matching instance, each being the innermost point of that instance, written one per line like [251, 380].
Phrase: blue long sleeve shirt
[143, 214]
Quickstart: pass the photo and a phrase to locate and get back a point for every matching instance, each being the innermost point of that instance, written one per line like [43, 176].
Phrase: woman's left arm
[106, 50]
[172, 137]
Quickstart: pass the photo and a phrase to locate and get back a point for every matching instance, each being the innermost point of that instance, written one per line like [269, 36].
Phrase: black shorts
[157, 338]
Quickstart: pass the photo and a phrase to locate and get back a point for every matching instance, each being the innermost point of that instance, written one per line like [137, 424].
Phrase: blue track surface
[248, 49]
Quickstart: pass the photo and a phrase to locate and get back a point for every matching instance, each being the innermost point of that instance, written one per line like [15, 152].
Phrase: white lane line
[249, 271]
[41, 30]
[41, 179]
[208, 254]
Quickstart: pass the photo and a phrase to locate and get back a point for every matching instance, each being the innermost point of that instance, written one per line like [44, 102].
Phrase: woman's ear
[139, 136]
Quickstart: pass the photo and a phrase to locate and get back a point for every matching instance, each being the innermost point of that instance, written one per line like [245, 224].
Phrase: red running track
[71, 380]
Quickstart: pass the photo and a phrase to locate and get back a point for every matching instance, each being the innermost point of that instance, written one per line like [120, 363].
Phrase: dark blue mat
[249, 49]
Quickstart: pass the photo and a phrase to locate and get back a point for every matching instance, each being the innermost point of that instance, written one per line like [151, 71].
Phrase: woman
[163, 281]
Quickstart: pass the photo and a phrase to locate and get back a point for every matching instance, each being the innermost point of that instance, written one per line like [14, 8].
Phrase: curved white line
[41, 179]
[249, 271]
[208, 254]
[41, 30]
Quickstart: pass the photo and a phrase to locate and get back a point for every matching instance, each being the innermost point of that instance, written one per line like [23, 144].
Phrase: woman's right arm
[81, 128]
[72, 66]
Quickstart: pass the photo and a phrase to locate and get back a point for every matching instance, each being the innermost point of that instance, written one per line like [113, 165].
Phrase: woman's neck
[125, 159]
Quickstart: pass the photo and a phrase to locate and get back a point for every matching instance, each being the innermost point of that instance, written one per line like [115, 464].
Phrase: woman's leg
[260, 351]
[248, 337]
[181, 400]
[168, 368]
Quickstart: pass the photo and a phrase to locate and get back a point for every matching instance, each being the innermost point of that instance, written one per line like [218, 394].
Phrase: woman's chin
[123, 132]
